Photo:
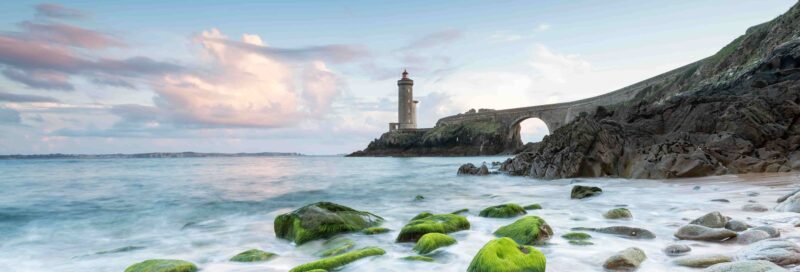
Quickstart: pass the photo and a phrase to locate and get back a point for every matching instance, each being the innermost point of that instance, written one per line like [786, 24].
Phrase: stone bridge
[556, 115]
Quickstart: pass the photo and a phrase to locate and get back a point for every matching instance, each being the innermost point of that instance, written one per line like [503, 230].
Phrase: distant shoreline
[148, 155]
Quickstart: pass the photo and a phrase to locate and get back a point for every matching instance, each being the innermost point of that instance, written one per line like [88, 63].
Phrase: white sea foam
[103, 215]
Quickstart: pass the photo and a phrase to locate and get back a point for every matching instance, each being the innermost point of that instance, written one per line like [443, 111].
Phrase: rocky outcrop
[466, 139]
[735, 112]
[472, 170]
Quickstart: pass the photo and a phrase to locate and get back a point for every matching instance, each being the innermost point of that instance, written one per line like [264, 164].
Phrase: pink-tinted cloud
[336, 53]
[32, 59]
[50, 10]
[68, 35]
[244, 87]
[40, 79]
[25, 98]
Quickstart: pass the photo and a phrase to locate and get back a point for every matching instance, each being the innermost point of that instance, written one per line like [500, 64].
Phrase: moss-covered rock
[528, 230]
[421, 215]
[503, 211]
[317, 270]
[576, 236]
[160, 265]
[533, 207]
[375, 230]
[503, 254]
[331, 263]
[419, 259]
[579, 192]
[460, 211]
[253, 255]
[431, 241]
[419, 197]
[336, 247]
[427, 223]
[618, 213]
[580, 243]
[322, 220]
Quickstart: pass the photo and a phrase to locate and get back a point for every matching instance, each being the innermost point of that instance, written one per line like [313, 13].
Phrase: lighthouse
[406, 105]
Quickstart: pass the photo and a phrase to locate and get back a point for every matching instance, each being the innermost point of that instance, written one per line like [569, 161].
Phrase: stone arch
[514, 137]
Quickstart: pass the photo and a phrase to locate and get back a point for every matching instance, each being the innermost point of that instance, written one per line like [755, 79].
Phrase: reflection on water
[103, 215]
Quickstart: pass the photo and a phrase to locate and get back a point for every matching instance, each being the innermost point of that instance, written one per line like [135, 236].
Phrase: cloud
[435, 39]
[47, 56]
[49, 10]
[40, 79]
[24, 98]
[542, 27]
[68, 35]
[246, 87]
[556, 67]
[337, 53]
[504, 36]
[9, 116]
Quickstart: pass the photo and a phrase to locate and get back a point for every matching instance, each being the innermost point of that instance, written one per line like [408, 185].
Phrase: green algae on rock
[431, 241]
[426, 223]
[618, 213]
[533, 207]
[528, 230]
[322, 220]
[460, 211]
[336, 247]
[375, 230]
[580, 243]
[580, 192]
[161, 265]
[419, 259]
[574, 236]
[503, 254]
[503, 211]
[421, 215]
[253, 255]
[330, 263]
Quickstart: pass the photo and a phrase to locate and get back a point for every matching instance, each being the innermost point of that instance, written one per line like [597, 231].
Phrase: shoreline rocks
[425, 223]
[331, 263]
[581, 192]
[472, 170]
[622, 231]
[432, 241]
[162, 265]
[322, 220]
[503, 254]
[628, 259]
[253, 255]
[529, 230]
[503, 211]
[703, 233]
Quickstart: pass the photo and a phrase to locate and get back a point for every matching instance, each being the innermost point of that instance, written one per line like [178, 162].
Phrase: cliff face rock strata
[467, 139]
[735, 112]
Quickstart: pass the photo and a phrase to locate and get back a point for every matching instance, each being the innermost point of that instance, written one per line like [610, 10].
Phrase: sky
[319, 77]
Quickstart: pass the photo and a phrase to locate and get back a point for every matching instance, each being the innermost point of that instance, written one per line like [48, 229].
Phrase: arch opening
[532, 130]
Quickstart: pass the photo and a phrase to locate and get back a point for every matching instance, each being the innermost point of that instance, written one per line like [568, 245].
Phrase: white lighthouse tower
[406, 105]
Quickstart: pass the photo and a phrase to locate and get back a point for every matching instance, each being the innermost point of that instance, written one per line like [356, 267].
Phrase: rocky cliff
[467, 139]
[734, 112]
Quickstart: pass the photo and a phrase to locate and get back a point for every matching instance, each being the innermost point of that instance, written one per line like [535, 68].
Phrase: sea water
[106, 214]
